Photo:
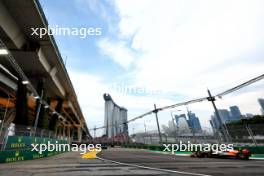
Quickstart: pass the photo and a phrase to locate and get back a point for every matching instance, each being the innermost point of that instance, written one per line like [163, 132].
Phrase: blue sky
[163, 51]
[81, 54]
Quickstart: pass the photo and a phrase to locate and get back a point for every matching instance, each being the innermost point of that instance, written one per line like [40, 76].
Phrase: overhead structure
[35, 65]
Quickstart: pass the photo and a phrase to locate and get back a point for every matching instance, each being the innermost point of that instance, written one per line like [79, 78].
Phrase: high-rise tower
[115, 119]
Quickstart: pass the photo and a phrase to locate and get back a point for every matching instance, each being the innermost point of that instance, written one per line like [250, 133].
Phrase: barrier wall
[18, 148]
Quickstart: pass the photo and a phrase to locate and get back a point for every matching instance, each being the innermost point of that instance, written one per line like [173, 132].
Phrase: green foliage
[257, 119]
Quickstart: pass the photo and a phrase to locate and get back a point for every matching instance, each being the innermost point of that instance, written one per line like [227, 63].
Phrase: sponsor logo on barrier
[17, 145]
[15, 158]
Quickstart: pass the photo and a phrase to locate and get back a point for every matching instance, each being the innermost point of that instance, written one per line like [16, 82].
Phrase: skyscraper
[182, 124]
[235, 113]
[214, 122]
[224, 114]
[194, 122]
[262, 111]
[115, 118]
[261, 103]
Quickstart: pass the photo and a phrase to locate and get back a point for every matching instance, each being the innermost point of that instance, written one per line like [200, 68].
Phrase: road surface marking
[90, 154]
[152, 168]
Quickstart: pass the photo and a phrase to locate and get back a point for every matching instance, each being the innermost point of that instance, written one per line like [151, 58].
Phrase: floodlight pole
[222, 125]
[38, 111]
[157, 119]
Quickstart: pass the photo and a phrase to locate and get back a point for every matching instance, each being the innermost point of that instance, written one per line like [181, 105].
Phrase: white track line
[152, 168]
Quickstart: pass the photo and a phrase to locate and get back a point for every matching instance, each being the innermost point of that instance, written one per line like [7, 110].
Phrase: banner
[18, 148]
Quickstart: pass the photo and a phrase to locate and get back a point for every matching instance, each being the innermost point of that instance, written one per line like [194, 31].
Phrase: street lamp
[36, 97]
[3, 51]
[25, 82]
[145, 127]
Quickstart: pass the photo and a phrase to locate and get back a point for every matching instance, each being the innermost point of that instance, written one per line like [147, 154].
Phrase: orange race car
[238, 154]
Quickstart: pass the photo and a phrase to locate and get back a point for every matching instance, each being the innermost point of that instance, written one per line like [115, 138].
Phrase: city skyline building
[194, 122]
[232, 115]
[261, 103]
[235, 113]
[225, 115]
[214, 122]
[115, 119]
[182, 124]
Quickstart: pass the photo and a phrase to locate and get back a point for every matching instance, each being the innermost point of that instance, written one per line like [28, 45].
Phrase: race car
[238, 154]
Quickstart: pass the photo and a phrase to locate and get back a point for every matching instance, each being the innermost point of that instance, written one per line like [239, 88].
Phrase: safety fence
[235, 115]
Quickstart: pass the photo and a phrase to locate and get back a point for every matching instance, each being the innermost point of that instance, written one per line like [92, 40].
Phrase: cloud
[117, 51]
[182, 48]
[182, 40]
[90, 89]
[185, 47]
[100, 8]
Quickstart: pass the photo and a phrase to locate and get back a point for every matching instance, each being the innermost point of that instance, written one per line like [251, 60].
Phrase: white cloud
[188, 46]
[90, 89]
[117, 51]
[181, 40]
[96, 7]
[182, 47]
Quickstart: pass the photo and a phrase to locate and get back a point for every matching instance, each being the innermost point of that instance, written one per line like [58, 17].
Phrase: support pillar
[41, 120]
[21, 104]
[63, 132]
[54, 120]
[56, 132]
[79, 133]
[69, 134]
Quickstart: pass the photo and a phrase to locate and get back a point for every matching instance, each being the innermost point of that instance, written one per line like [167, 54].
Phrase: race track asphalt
[208, 166]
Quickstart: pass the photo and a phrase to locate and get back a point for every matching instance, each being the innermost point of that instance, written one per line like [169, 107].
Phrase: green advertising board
[23, 142]
[19, 148]
[7, 156]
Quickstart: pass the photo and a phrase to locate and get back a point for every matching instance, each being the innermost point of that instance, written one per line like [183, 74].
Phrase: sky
[163, 52]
